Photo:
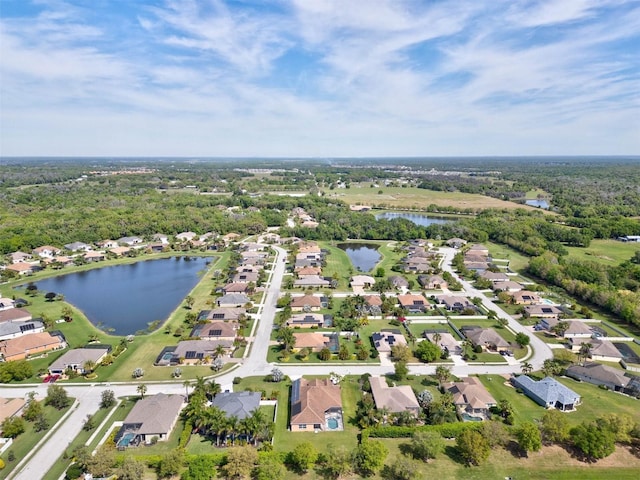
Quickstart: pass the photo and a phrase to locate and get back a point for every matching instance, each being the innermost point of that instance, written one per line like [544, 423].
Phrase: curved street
[254, 364]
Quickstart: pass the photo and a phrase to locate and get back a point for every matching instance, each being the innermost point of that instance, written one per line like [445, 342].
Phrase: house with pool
[151, 417]
[472, 400]
[316, 406]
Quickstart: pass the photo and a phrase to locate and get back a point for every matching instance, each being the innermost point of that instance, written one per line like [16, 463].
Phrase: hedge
[446, 430]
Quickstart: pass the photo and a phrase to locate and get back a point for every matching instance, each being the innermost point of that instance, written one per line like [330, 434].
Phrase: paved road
[255, 364]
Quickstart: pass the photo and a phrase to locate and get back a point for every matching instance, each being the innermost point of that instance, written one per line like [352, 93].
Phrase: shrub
[237, 380]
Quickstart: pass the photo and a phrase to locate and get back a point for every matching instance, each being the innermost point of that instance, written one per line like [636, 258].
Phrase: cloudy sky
[320, 78]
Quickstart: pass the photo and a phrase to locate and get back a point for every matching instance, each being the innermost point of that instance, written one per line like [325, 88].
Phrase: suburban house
[362, 281]
[245, 277]
[11, 407]
[542, 311]
[454, 304]
[14, 315]
[20, 348]
[478, 249]
[7, 303]
[186, 236]
[417, 264]
[306, 303]
[600, 349]
[577, 329]
[130, 241]
[414, 303]
[223, 314]
[508, 286]
[18, 328]
[547, 392]
[215, 330]
[107, 244]
[316, 405]
[312, 281]
[494, 276]
[303, 272]
[394, 399]
[233, 300]
[46, 251]
[599, 374]
[75, 359]
[119, 251]
[230, 237]
[192, 352]
[446, 342]
[151, 417]
[235, 287]
[92, 256]
[17, 257]
[316, 341]
[399, 282]
[525, 297]
[472, 398]
[432, 282]
[487, 338]
[306, 320]
[237, 404]
[456, 242]
[22, 268]
[385, 339]
[78, 247]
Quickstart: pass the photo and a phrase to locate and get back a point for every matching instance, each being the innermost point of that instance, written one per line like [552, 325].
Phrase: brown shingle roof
[312, 399]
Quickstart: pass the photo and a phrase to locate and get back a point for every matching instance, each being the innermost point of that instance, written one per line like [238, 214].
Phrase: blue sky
[319, 78]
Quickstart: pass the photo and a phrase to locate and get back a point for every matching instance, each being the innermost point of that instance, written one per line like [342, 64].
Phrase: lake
[417, 218]
[126, 298]
[364, 256]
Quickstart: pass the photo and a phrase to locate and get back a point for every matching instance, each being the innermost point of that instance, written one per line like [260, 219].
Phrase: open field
[417, 198]
[607, 252]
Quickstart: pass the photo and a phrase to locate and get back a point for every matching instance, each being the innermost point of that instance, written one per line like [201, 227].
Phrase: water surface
[124, 299]
[364, 256]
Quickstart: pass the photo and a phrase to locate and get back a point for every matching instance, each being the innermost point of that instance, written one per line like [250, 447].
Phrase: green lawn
[595, 401]
[608, 252]
[25, 442]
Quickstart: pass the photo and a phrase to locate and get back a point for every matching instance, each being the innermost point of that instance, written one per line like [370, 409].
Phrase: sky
[319, 78]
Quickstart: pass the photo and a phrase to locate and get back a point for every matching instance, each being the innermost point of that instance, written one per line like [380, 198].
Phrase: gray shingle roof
[237, 404]
[155, 414]
[547, 390]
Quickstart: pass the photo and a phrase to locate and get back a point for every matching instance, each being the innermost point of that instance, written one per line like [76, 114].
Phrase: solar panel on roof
[27, 327]
[215, 333]
[295, 391]
[218, 316]
[190, 354]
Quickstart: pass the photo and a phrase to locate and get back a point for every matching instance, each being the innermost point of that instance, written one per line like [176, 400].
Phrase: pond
[124, 299]
[363, 256]
[417, 218]
[538, 203]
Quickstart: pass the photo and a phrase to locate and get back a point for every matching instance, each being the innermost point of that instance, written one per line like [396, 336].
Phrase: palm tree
[89, 366]
[232, 427]
[442, 374]
[437, 337]
[584, 352]
[527, 368]
[219, 351]
[286, 338]
[186, 384]
[142, 389]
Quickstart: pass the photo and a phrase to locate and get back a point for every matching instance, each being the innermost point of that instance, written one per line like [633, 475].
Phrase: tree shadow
[514, 449]
[428, 382]
[405, 449]
[454, 454]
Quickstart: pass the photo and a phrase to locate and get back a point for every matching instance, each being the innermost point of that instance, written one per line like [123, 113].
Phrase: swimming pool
[332, 423]
[126, 439]
[470, 418]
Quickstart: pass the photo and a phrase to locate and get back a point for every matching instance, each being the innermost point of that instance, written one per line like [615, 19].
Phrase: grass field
[417, 198]
[608, 252]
